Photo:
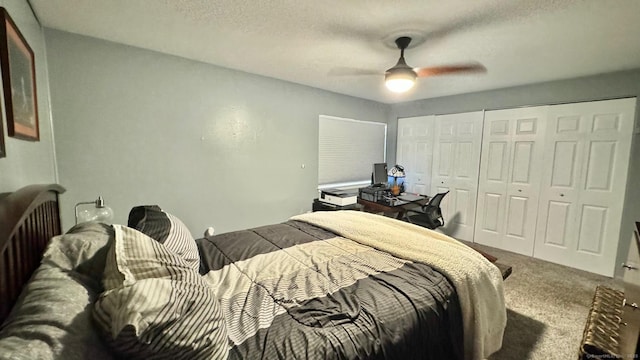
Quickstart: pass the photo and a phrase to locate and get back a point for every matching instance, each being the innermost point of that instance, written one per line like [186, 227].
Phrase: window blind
[347, 150]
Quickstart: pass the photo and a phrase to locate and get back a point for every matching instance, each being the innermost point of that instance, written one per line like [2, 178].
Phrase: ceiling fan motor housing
[401, 69]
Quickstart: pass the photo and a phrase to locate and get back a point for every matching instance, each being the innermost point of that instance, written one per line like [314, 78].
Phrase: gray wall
[29, 162]
[607, 86]
[214, 146]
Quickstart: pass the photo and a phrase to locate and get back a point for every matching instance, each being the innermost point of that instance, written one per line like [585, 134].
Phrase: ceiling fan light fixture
[399, 85]
[400, 80]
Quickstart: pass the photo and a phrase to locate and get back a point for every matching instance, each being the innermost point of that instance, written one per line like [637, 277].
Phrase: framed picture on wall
[18, 81]
[2, 152]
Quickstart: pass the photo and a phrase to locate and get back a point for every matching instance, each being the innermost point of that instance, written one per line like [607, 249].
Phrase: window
[347, 150]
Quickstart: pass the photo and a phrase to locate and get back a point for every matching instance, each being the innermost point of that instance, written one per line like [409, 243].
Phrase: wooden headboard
[29, 217]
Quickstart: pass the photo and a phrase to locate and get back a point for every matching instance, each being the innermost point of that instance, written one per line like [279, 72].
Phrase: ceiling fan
[402, 77]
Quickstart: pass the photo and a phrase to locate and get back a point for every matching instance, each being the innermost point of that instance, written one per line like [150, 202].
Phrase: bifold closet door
[584, 181]
[414, 151]
[512, 149]
[456, 159]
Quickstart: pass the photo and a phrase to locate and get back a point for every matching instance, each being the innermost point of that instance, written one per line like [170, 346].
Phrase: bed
[325, 285]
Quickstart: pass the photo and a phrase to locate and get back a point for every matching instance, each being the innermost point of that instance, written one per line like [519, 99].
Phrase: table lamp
[98, 212]
[397, 184]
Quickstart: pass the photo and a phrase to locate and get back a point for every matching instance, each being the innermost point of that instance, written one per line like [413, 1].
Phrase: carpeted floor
[547, 306]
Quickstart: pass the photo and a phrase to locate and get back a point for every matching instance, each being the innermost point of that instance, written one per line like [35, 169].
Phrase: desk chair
[431, 214]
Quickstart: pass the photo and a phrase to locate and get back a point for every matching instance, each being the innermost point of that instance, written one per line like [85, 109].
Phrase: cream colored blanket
[478, 283]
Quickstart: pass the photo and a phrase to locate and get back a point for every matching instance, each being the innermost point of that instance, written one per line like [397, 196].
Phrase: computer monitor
[379, 177]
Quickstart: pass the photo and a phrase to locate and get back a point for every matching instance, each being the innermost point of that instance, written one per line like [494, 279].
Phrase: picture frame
[18, 81]
[2, 151]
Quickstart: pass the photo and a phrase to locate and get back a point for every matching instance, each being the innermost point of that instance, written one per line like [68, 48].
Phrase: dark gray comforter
[295, 291]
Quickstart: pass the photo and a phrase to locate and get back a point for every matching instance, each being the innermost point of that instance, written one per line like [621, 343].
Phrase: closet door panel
[422, 166]
[406, 155]
[414, 151]
[456, 158]
[492, 186]
[491, 221]
[557, 219]
[558, 197]
[586, 172]
[465, 170]
[444, 152]
[601, 159]
[564, 156]
[444, 160]
[523, 193]
[509, 183]
[517, 217]
[443, 164]
[592, 226]
[497, 161]
[521, 164]
[462, 207]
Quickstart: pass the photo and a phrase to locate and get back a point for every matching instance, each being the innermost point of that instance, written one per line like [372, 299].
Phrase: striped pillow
[155, 304]
[166, 229]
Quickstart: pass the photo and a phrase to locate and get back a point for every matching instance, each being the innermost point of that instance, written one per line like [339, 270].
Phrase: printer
[338, 197]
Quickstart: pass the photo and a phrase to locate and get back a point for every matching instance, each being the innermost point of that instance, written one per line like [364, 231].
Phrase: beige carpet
[547, 306]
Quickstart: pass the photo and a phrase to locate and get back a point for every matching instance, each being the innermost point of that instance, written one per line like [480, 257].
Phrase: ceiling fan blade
[450, 69]
[348, 71]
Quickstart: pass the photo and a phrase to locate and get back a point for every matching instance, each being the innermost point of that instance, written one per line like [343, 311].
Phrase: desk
[399, 207]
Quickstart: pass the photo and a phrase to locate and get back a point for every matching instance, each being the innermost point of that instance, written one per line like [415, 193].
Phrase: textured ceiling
[315, 42]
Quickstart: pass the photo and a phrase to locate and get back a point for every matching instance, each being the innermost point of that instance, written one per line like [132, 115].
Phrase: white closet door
[415, 151]
[584, 181]
[456, 158]
[512, 149]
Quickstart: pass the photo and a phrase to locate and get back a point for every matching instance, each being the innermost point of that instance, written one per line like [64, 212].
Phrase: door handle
[629, 267]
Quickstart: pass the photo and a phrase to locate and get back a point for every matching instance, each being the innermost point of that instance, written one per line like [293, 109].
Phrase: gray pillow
[83, 250]
[52, 318]
[166, 229]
